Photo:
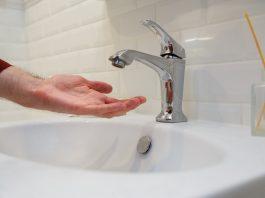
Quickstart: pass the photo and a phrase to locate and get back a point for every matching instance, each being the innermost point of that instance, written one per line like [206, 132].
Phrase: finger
[111, 115]
[131, 104]
[100, 86]
[104, 108]
[141, 99]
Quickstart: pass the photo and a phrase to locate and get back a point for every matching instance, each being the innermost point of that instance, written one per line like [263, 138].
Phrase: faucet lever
[168, 45]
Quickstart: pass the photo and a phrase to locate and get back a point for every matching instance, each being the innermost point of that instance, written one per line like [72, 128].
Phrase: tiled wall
[12, 32]
[77, 36]
[13, 42]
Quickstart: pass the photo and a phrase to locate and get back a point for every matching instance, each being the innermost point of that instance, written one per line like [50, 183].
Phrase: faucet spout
[126, 57]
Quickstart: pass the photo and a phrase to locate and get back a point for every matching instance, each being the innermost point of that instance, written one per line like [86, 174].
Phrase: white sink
[109, 146]
[88, 157]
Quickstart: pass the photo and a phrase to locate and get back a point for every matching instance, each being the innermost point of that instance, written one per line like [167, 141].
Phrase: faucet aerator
[117, 62]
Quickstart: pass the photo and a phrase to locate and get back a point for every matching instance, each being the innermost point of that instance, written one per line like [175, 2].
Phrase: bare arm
[63, 93]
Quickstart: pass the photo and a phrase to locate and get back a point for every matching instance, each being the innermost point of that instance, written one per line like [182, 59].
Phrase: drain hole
[144, 145]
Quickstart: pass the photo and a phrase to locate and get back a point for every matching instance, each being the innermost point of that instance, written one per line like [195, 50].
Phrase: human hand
[76, 95]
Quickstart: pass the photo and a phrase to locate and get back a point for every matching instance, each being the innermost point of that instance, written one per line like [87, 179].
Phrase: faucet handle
[168, 45]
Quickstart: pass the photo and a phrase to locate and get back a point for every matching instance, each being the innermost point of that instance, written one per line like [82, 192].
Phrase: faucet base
[168, 118]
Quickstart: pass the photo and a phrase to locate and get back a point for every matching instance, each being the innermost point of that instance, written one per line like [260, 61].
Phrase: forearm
[18, 86]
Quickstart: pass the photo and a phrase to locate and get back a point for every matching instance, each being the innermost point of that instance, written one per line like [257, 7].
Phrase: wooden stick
[262, 113]
[255, 39]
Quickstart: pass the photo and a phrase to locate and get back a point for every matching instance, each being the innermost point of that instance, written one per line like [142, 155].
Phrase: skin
[64, 94]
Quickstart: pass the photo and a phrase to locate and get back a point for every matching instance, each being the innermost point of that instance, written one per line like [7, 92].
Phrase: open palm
[76, 95]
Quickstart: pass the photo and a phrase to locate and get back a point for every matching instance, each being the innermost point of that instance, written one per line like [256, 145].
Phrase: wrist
[18, 86]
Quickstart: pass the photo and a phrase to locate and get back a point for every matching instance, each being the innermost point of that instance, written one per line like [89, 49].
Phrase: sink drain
[144, 145]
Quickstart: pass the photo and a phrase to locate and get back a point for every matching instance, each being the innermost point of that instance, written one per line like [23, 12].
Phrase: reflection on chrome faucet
[170, 67]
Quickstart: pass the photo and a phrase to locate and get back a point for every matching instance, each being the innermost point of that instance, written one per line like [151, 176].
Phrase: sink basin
[108, 146]
[51, 157]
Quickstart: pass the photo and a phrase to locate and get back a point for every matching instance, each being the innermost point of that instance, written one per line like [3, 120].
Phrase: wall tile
[50, 26]
[117, 7]
[176, 15]
[12, 35]
[91, 11]
[35, 32]
[74, 2]
[224, 42]
[246, 109]
[226, 82]
[219, 112]
[12, 51]
[152, 106]
[15, 17]
[129, 23]
[141, 81]
[41, 10]
[222, 10]
[142, 3]
[67, 19]
[56, 6]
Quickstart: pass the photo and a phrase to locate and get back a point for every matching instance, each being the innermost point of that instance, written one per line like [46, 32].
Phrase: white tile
[74, 2]
[175, 15]
[224, 42]
[221, 10]
[142, 81]
[35, 32]
[149, 43]
[129, 23]
[91, 36]
[102, 35]
[41, 10]
[246, 114]
[225, 83]
[68, 19]
[47, 47]
[60, 64]
[15, 17]
[151, 107]
[91, 11]
[190, 110]
[220, 112]
[50, 26]
[13, 51]
[12, 34]
[259, 24]
[33, 50]
[141, 3]
[92, 59]
[117, 7]
[56, 6]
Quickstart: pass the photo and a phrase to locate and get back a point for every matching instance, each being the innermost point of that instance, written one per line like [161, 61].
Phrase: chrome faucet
[170, 68]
